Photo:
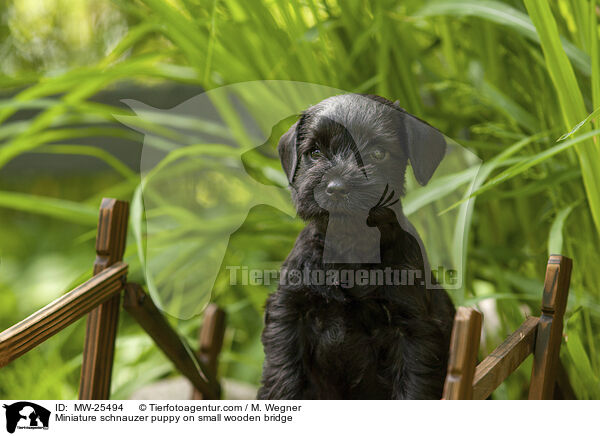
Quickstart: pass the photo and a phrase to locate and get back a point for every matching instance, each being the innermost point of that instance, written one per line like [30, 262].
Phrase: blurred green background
[517, 82]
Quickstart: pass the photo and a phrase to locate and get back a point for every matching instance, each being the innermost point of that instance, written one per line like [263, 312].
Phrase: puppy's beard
[358, 202]
[342, 207]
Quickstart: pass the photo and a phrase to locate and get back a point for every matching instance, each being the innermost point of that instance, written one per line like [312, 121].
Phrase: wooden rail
[100, 297]
[504, 360]
[49, 320]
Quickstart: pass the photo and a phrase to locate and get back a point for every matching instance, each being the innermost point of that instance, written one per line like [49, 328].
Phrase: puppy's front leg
[283, 373]
[422, 367]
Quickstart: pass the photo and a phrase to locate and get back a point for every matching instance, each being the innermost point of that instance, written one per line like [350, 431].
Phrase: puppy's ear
[288, 150]
[425, 145]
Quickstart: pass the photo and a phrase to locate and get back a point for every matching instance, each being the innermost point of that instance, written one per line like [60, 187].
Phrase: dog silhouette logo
[26, 415]
[208, 168]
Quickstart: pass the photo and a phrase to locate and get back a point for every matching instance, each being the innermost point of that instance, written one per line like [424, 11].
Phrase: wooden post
[464, 346]
[102, 322]
[550, 326]
[211, 341]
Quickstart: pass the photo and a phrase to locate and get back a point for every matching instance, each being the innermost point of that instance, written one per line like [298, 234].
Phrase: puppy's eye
[315, 154]
[378, 154]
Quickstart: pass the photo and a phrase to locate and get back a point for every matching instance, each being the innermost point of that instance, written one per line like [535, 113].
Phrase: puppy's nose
[337, 187]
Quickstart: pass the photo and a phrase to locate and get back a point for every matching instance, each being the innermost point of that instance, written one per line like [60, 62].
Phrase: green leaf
[579, 125]
[583, 367]
[555, 238]
[52, 207]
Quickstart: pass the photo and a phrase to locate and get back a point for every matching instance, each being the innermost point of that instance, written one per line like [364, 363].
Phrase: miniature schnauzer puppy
[341, 324]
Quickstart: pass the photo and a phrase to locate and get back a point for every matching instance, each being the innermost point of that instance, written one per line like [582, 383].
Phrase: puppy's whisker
[389, 197]
[384, 192]
[382, 196]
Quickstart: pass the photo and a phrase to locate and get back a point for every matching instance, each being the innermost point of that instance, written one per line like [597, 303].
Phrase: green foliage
[516, 82]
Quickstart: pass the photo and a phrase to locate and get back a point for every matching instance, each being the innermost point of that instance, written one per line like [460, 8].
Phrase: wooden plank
[102, 322]
[549, 331]
[141, 307]
[211, 342]
[507, 357]
[464, 345]
[49, 320]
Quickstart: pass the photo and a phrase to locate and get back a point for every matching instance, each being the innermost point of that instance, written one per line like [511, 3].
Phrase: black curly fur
[378, 341]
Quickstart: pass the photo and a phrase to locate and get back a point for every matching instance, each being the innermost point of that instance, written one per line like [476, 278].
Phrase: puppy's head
[348, 154]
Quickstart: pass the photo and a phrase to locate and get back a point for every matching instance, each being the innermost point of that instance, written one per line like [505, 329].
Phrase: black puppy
[329, 335]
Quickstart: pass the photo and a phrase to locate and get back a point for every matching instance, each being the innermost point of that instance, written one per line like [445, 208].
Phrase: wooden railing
[100, 299]
[538, 336]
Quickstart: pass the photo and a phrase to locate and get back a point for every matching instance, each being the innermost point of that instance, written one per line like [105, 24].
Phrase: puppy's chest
[339, 332]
